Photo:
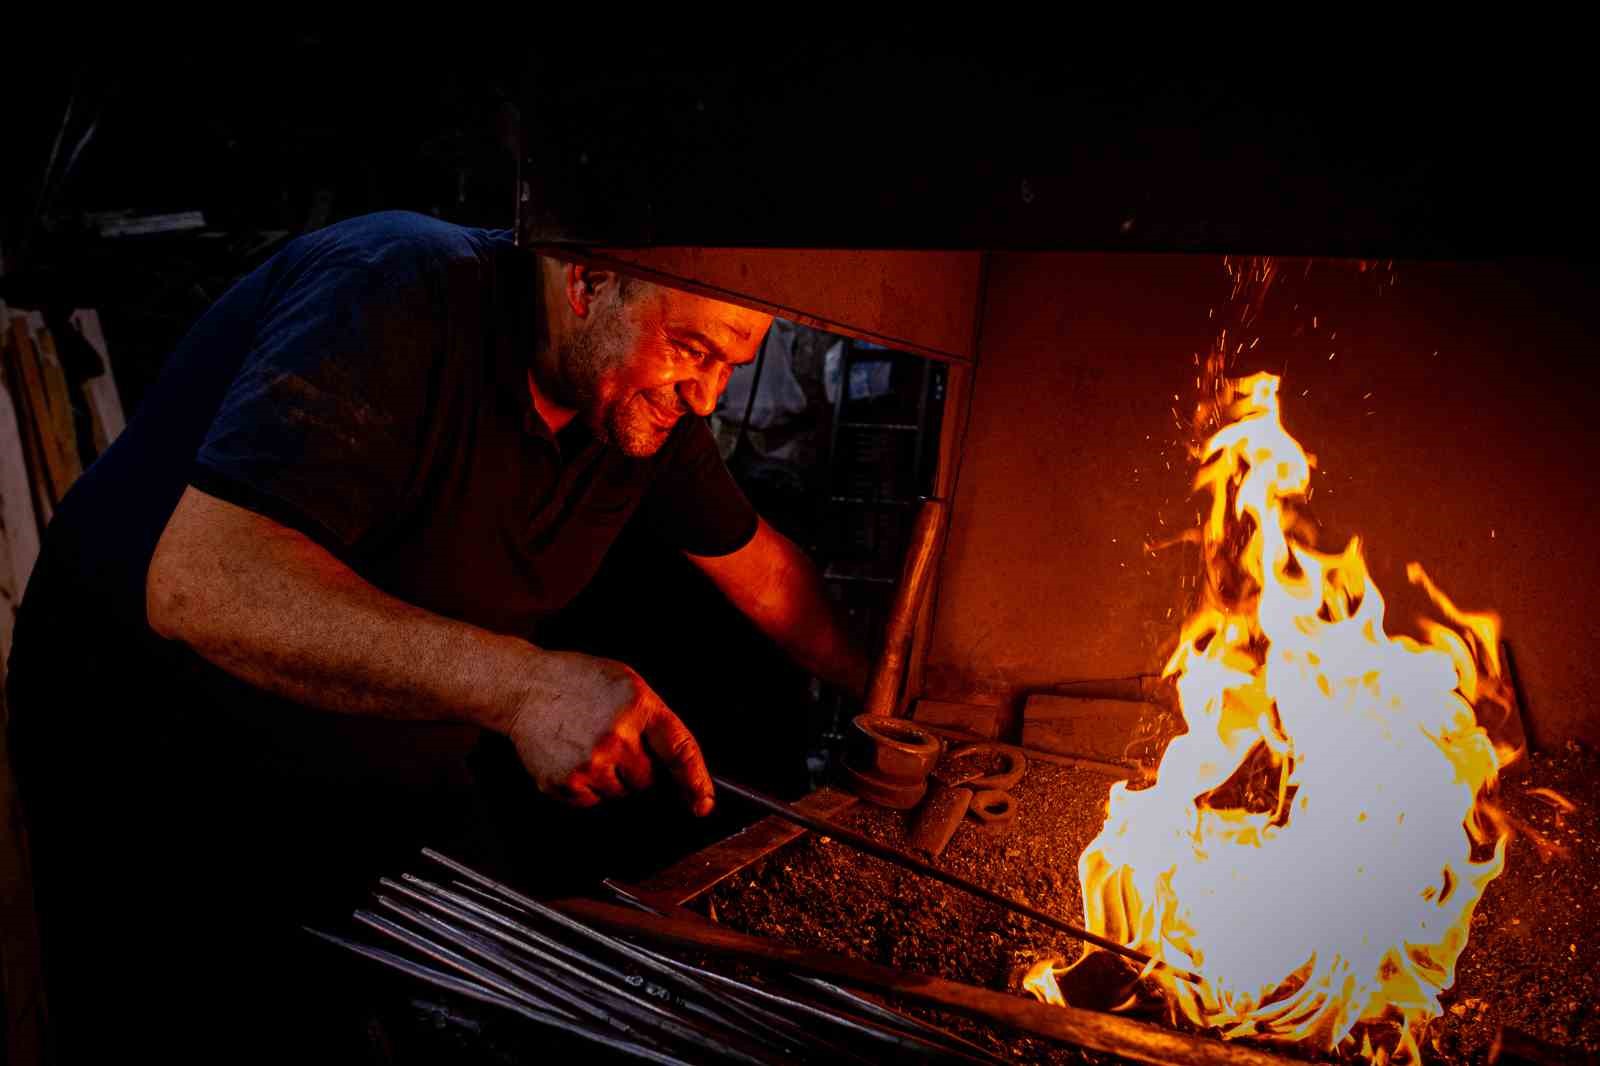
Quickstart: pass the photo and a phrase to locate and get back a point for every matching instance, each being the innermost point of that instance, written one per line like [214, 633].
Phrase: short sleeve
[322, 428]
[693, 503]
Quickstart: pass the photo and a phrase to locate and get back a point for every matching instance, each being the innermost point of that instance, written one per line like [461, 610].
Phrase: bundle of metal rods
[465, 933]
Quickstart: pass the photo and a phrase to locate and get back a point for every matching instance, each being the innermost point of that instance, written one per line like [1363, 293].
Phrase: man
[271, 621]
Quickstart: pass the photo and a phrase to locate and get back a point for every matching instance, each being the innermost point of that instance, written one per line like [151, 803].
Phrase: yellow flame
[1041, 981]
[1315, 843]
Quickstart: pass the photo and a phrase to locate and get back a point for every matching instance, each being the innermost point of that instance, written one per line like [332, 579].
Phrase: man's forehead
[724, 323]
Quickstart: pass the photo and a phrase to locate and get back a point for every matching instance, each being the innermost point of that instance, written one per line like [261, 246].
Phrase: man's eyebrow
[707, 342]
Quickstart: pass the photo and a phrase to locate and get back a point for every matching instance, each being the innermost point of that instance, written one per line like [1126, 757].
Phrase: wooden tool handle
[921, 552]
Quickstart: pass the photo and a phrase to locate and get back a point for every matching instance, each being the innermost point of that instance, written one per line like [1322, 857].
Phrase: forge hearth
[1529, 966]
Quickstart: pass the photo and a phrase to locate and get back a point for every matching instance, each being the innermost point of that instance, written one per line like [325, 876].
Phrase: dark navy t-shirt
[368, 387]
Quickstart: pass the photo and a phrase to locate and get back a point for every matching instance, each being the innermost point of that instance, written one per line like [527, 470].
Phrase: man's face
[635, 366]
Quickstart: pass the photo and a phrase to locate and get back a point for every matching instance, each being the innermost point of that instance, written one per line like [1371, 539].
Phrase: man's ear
[584, 285]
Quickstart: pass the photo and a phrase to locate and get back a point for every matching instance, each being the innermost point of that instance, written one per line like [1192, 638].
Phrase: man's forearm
[778, 587]
[271, 606]
[808, 628]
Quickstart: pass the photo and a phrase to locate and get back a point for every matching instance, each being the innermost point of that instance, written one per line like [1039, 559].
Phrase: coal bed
[1530, 965]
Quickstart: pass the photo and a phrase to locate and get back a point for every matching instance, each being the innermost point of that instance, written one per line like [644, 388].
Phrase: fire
[1315, 843]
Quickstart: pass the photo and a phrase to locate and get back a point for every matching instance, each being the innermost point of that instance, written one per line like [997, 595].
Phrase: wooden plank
[691, 876]
[62, 446]
[1095, 729]
[1109, 1033]
[19, 530]
[21, 375]
[100, 391]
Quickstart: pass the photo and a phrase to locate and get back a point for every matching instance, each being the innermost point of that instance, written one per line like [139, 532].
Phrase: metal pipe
[911, 862]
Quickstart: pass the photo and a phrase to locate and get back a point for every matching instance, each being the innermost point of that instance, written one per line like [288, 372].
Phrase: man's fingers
[635, 768]
[676, 747]
[575, 792]
[600, 772]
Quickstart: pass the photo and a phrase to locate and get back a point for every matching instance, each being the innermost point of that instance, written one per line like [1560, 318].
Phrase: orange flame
[1315, 843]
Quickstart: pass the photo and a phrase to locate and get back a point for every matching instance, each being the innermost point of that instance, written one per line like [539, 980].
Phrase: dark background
[1376, 148]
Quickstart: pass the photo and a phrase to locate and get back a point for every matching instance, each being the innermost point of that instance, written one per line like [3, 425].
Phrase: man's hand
[592, 728]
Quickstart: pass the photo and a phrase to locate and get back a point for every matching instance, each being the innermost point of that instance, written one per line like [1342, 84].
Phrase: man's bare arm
[271, 606]
[777, 586]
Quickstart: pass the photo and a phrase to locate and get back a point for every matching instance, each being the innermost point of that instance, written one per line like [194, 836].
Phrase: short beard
[591, 356]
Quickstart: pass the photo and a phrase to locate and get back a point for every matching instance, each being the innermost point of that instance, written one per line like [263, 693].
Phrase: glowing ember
[1316, 842]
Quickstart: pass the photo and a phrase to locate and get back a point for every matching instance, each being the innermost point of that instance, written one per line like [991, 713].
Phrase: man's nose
[701, 391]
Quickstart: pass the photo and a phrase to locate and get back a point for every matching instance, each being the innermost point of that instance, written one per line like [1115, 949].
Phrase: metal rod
[567, 960]
[633, 1016]
[575, 1005]
[911, 862]
[471, 990]
[896, 1035]
[643, 959]
[893, 1017]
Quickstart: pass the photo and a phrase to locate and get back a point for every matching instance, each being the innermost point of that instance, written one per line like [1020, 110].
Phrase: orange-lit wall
[1475, 454]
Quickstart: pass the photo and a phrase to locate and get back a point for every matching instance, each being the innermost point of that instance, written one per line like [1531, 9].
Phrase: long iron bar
[776, 1019]
[898, 1037]
[555, 917]
[630, 1015]
[645, 959]
[576, 1005]
[481, 896]
[471, 990]
[441, 899]
[575, 965]
[889, 1016]
[780, 1032]
[910, 862]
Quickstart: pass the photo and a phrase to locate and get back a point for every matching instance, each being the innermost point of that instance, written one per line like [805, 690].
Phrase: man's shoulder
[401, 243]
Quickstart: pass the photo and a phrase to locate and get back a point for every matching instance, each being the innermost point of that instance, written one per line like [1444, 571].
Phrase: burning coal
[1315, 842]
